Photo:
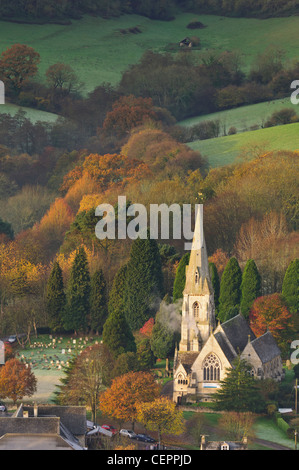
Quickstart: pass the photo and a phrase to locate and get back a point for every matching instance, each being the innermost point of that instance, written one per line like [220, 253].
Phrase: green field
[33, 114]
[244, 117]
[225, 150]
[99, 53]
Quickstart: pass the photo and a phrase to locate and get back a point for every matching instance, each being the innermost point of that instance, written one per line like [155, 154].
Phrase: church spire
[198, 311]
[197, 272]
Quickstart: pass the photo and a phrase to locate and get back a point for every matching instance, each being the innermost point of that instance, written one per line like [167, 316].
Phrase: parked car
[2, 407]
[12, 339]
[127, 433]
[144, 438]
[110, 428]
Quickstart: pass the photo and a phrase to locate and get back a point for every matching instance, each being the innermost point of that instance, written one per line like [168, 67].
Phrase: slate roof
[237, 332]
[187, 360]
[266, 348]
[221, 340]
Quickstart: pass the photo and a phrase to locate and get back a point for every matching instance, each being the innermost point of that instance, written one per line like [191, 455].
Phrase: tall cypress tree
[144, 283]
[77, 311]
[55, 299]
[180, 278]
[215, 283]
[117, 292]
[250, 287]
[117, 335]
[230, 290]
[98, 301]
[290, 286]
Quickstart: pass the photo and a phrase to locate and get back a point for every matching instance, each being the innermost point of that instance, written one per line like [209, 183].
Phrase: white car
[127, 433]
[2, 407]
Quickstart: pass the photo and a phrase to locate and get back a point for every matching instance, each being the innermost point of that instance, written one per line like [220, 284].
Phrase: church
[207, 349]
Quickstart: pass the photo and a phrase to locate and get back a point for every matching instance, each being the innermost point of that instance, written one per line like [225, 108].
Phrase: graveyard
[47, 356]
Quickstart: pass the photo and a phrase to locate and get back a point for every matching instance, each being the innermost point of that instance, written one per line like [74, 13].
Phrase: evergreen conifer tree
[250, 287]
[117, 335]
[230, 290]
[98, 301]
[77, 311]
[239, 391]
[117, 291]
[55, 299]
[290, 286]
[180, 278]
[215, 283]
[144, 282]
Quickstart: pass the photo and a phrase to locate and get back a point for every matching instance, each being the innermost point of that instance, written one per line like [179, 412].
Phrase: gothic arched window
[196, 310]
[211, 368]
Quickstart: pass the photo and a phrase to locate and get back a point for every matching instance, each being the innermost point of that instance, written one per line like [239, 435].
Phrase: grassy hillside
[245, 117]
[225, 150]
[33, 114]
[99, 53]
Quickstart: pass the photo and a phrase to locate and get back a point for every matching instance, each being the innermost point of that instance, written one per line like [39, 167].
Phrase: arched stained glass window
[211, 368]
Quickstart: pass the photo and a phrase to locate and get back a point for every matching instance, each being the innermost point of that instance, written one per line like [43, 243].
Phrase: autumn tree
[127, 113]
[237, 425]
[89, 376]
[161, 415]
[16, 381]
[18, 64]
[121, 400]
[270, 313]
[62, 78]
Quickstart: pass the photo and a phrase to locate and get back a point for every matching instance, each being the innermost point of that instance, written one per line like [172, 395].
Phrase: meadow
[226, 150]
[244, 117]
[99, 52]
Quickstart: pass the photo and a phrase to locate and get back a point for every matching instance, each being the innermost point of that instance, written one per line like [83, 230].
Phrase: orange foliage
[269, 312]
[16, 381]
[129, 112]
[126, 393]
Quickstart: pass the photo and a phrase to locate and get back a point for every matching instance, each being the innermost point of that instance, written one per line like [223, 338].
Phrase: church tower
[198, 311]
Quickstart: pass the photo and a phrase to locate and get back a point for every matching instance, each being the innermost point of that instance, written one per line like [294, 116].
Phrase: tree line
[48, 11]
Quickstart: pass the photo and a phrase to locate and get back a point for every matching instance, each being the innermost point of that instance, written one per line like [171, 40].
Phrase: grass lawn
[244, 117]
[99, 53]
[265, 428]
[34, 115]
[225, 150]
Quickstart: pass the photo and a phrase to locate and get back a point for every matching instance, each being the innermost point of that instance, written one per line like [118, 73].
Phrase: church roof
[237, 331]
[187, 359]
[222, 341]
[265, 347]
